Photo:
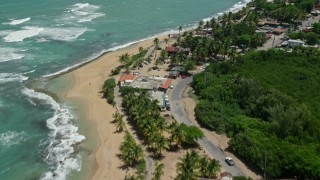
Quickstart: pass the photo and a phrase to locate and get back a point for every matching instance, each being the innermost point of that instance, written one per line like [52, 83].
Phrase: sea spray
[63, 137]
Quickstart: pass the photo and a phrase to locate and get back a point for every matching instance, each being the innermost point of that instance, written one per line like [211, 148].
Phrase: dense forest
[268, 103]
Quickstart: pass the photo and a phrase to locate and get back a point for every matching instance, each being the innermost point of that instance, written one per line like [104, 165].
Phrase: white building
[293, 43]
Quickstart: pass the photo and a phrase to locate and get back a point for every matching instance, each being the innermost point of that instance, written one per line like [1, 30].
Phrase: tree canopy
[267, 102]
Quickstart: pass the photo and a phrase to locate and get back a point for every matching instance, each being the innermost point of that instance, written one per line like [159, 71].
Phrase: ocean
[41, 38]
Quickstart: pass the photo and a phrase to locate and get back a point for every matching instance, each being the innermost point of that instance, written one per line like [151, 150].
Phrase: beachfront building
[165, 86]
[270, 23]
[126, 79]
[293, 43]
[172, 50]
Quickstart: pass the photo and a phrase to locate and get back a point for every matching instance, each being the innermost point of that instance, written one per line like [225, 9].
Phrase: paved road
[180, 115]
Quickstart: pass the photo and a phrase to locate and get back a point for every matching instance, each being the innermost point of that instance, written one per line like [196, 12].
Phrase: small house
[172, 50]
[164, 87]
[126, 79]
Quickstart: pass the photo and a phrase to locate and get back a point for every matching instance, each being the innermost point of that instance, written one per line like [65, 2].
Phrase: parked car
[183, 76]
[229, 161]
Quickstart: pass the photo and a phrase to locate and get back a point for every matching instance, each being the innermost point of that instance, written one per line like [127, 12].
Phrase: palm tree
[213, 168]
[208, 168]
[156, 42]
[124, 58]
[200, 25]
[177, 134]
[179, 29]
[158, 171]
[131, 152]
[187, 166]
[118, 120]
[166, 40]
[158, 143]
[140, 49]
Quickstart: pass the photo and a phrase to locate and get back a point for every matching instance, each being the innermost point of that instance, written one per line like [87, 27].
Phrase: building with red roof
[126, 78]
[172, 50]
[166, 84]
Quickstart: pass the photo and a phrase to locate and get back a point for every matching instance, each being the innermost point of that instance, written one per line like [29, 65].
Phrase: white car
[229, 161]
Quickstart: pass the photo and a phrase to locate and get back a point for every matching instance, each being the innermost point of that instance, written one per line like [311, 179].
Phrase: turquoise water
[40, 38]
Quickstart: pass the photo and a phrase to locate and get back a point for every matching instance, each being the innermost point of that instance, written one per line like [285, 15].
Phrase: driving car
[229, 161]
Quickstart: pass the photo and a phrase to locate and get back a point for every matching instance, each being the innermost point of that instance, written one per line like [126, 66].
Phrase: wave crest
[17, 21]
[64, 137]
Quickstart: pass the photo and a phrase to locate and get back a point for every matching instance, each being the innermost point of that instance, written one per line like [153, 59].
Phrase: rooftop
[172, 49]
[127, 77]
[166, 84]
[149, 83]
[158, 95]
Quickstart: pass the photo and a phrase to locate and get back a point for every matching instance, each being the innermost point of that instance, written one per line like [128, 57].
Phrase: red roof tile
[166, 84]
[172, 49]
[127, 77]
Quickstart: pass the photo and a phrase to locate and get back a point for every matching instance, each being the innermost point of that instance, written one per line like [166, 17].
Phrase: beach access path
[177, 109]
[147, 157]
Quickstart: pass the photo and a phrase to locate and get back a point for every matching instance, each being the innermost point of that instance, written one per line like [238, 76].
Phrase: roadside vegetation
[193, 166]
[268, 103]
[311, 38]
[145, 114]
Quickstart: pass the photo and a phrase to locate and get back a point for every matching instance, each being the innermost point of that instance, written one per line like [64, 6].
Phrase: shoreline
[98, 164]
[88, 79]
[234, 9]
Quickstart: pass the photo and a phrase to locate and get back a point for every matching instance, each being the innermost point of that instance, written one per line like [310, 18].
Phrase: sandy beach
[88, 81]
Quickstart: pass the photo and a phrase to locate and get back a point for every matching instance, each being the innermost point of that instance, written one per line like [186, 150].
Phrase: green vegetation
[145, 113]
[108, 90]
[131, 153]
[158, 171]
[182, 134]
[311, 38]
[193, 166]
[118, 120]
[282, 11]
[128, 61]
[141, 168]
[268, 103]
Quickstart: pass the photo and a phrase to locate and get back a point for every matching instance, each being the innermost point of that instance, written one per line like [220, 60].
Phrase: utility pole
[265, 166]
[274, 37]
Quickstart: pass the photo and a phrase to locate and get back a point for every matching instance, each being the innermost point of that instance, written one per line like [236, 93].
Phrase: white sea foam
[63, 137]
[10, 77]
[239, 5]
[17, 21]
[4, 33]
[62, 34]
[90, 17]
[20, 35]
[8, 54]
[11, 138]
[82, 12]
